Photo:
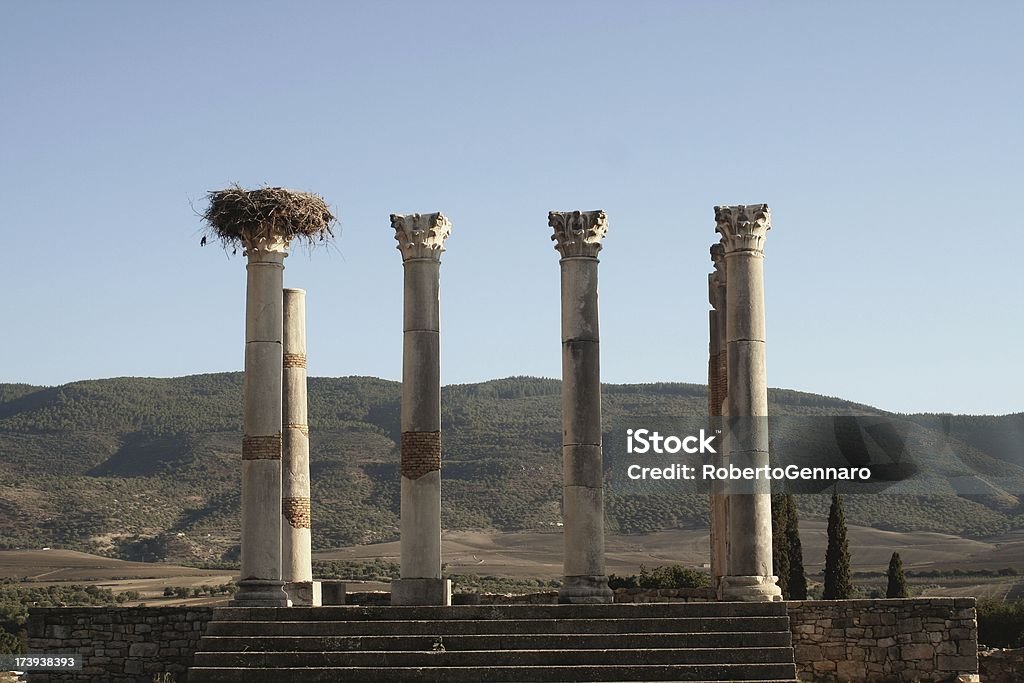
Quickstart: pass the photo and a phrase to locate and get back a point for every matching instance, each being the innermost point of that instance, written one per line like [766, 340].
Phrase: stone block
[421, 592]
[967, 664]
[332, 592]
[850, 670]
[305, 593]
[143, 649]
[917, 651]
[912, 625]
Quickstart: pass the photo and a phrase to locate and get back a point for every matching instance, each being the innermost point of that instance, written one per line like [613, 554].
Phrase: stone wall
[118, 644]
[914, 639]
[854, 641]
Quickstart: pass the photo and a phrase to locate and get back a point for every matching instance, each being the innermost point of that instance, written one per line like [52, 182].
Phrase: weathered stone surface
[421, 239]
[118, 644]
[917, 639]
[577, 236]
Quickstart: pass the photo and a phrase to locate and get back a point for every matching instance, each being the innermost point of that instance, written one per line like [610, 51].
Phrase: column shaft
[261, 583]
[296, 540]
[421, 422]
[749, 555]
[421, 240]
[578, 237]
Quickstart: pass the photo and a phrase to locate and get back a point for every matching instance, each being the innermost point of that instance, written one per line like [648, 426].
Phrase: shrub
[1001, 623]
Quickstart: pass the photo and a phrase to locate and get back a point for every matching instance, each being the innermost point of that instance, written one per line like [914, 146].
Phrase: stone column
[261, 584]
[749, 574]
[717, 389]
[296, 541]
[577, 236]
[421, 239]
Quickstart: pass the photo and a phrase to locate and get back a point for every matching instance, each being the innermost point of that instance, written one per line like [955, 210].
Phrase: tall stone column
[421, 239]
[749, 574]
[296, 541]
[577, 237]
[261, 584]
[717, 391]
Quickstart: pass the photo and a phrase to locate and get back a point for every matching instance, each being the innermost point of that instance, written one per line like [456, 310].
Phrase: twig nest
[237, 216]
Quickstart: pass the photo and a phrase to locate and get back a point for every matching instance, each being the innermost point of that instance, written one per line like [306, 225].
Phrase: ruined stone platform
[498, 643]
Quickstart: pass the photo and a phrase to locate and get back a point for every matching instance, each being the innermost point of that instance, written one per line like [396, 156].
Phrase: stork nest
[237, 215]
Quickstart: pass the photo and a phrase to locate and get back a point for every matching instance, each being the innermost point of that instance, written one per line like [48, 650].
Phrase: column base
[421, 592]
[260, 593]
[304, 593]
[748, 589]
[585, 590]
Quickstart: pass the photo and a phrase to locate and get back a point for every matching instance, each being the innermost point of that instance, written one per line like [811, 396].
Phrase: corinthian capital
[743, 227]
[578, 233]
[259, 247]
[421, 235]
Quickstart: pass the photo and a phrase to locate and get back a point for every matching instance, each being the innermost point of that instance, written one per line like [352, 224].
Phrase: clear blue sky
[886, 137]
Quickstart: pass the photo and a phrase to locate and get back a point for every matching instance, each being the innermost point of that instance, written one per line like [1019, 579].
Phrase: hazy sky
[886, 137]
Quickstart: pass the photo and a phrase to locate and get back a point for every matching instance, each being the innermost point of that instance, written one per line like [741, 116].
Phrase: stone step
[486, 658]
[778, 624]
[213, 643]
[760, 673]
[502, 612]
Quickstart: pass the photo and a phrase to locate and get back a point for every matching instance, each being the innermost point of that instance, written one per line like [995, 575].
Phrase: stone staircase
[500, 643]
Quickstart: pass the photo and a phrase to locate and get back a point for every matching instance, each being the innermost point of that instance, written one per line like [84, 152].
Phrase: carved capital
[743, 227]
[260, 247]
[718, 277]
[578, 233]
[421, 235]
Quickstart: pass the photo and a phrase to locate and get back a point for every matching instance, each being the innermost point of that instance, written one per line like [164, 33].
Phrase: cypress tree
[837, 557]
[897, 582]
[780, 542]
[797, 583]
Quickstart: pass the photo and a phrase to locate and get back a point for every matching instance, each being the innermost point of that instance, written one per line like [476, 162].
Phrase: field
[56, 567]
[539, 555]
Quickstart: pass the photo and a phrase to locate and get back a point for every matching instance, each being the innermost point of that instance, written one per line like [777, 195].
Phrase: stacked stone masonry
[853, 641]
[296, 511]
[128, 644]
[261, 447]
[421, 453]
[916, 639]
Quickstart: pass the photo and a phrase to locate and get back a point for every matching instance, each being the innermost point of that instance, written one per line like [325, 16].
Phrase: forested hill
[148, 468]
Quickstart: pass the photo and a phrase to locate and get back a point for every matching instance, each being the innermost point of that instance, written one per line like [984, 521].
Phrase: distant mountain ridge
[146, 468]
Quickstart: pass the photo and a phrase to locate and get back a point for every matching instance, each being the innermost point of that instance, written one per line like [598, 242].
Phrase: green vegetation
[787, 550]
[1001, 623]
[356, 570]
[897, 587]
[837, 555]
[781, 515]
[488, 583]
[200, 591]
[669, 576]
[16, 598]
[147, 469]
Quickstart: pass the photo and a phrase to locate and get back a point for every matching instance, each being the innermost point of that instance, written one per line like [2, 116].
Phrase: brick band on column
[261, 447]
[294, 360]
[723, 380]
[714, 387]
[296, 511]
[421, 453]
